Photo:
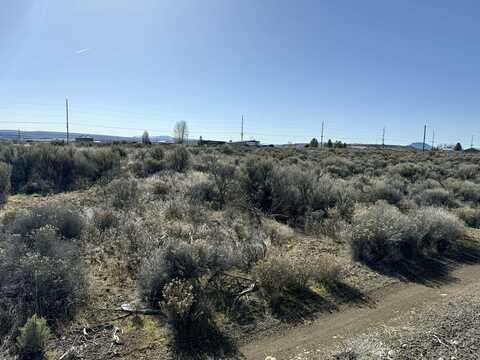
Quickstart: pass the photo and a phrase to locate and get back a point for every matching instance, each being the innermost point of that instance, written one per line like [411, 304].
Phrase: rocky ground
[447, 331]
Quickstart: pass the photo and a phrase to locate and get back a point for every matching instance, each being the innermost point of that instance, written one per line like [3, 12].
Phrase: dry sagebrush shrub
[280, 273]
[104, 219]
[382, 234]
[178, 159]
[5, 172]
[468, 171]
[222, 176]
[279, 234]
[436, 197]
[390, 190]
[160, 189]
[289, 193]
[467, 191]
[437, 230]
[67, 222]
[470, 216]
[189, 314]
[178, 261]
[379, 234]
[408, 170]
[43, 274]
[123, 193]
[50, 168]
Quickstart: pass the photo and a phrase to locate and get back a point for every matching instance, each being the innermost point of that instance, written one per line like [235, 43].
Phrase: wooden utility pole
[321, 136]
[66, 114]
[433, 138]
[424, 134]
[241, 132]
[471, 143]
[383, 137]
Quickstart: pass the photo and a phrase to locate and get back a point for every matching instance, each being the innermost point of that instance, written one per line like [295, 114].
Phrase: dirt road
[305, 342]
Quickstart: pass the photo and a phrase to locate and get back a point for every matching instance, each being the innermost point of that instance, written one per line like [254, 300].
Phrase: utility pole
[383, 137]
[66, 114]
[19, 135]
[471, 144]
[433, 138]
[424, 134]
[321, 137]
[241, 133]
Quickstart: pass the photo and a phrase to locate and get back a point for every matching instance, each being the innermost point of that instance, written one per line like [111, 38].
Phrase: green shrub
[33, 339]
[5, 172]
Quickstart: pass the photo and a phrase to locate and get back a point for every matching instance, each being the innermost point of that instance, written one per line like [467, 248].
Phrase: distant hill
[55, 135]
[419, 146]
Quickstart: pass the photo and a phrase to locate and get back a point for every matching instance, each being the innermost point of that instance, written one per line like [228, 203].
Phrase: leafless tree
[146, 138]
[180, 132]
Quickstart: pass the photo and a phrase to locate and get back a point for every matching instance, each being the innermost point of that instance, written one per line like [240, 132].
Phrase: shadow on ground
[431, 271]
[296, 306]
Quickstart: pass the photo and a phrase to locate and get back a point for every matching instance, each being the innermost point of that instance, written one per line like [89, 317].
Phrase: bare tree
[146, 138]
[180, 132]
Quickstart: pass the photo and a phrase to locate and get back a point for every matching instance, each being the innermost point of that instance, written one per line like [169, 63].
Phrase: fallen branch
[128, 308]
[252, 288]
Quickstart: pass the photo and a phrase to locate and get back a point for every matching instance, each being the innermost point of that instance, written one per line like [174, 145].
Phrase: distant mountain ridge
[57, 135]
[419, 146]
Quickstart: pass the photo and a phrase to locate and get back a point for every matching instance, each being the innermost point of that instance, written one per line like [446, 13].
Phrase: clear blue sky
[287, 65]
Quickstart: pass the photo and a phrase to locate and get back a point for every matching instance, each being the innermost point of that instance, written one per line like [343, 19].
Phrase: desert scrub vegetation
[44, 168]
[223, 238]
[381, 234]
[5, 172]
[41, 272]
[32, 341]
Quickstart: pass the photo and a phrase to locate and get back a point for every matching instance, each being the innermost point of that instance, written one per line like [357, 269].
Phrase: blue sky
[287, 65]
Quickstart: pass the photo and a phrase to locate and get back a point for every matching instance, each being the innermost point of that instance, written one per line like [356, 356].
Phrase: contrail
[82, 51]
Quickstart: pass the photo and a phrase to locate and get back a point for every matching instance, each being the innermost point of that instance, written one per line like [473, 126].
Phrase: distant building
[246, 143]
[210, 142]
[84, 139]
